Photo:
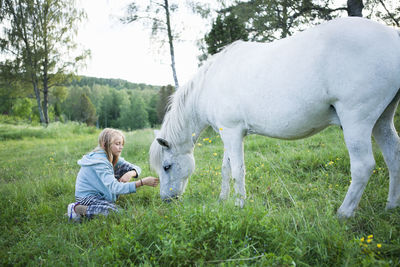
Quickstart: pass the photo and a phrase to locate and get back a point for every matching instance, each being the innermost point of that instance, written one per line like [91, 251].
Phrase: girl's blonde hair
[106, 139]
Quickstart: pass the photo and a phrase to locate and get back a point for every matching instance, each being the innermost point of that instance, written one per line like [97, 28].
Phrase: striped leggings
[96, 205]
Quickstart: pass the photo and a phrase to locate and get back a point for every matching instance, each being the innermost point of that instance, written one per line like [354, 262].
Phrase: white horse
[345, 72]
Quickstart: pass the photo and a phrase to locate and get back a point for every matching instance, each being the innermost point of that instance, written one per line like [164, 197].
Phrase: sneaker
[72, 215]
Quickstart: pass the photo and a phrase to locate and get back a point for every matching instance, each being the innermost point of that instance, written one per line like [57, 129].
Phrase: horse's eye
[167, 167]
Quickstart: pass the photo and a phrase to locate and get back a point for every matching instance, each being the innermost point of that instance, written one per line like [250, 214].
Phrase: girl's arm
[106, 174]
[149, 181]
[122, 167]
[128, 176]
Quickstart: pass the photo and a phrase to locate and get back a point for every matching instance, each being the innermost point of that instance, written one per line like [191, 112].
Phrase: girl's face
[117, 146]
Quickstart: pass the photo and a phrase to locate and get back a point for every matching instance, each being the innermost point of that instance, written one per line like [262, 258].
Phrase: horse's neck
[192, 126]
[191, 133]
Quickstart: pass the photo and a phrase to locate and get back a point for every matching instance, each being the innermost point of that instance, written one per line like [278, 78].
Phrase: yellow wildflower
[214, 154]
[370, 236]
[362, 239]
[193, 134]
[379, 245]
[220, 129]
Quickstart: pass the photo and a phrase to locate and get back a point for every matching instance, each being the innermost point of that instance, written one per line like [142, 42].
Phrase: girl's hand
[150, 181]
[127, 176]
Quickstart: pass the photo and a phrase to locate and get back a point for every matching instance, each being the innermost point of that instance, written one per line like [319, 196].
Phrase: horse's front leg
[226, 175]
[233, 161]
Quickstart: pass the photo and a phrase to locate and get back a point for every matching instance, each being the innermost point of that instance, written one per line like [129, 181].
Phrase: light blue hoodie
[96, 177]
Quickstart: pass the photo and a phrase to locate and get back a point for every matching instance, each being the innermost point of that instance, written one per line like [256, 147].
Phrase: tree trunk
[37, 94]
[43, 25]
[285, 28]
[46, 84]
[171, 45]
[45, 100]
[354, 8]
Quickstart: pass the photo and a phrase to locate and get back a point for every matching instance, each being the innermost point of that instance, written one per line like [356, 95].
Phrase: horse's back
[290, 88]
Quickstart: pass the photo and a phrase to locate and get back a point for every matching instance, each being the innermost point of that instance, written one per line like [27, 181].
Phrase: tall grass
[294, 189]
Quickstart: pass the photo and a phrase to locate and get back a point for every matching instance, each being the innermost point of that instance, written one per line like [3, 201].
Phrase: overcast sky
[127, 52]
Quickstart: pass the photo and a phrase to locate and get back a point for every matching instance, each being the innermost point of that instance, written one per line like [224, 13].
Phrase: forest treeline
[114, 103]
[97, 101]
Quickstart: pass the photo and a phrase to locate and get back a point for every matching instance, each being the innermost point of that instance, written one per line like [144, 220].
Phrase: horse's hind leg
[233, 158]
[359, 145]
[386, 136]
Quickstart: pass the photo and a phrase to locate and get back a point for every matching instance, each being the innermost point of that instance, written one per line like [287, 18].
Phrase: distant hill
[114, 83]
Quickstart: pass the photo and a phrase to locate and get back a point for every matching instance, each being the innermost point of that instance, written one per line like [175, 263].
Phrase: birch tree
[157, 15]
[37, 44]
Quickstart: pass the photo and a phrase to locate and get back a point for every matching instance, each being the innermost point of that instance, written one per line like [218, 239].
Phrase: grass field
[294, 189]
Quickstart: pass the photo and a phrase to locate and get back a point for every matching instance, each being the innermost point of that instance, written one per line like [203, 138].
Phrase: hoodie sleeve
[106, 175]
[124, 166]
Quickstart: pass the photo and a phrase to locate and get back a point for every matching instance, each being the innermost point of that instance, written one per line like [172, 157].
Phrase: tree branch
[390, 14]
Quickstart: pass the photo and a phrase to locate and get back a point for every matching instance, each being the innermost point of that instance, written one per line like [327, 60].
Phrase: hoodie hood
[93, 158]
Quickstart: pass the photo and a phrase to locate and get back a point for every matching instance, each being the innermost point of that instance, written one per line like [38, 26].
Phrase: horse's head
[173, 167]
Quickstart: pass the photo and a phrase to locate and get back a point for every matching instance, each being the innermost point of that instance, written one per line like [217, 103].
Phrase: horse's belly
[278, 121]
[292, 124]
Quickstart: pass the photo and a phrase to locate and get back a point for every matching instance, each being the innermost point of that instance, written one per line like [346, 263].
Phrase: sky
[126, 51]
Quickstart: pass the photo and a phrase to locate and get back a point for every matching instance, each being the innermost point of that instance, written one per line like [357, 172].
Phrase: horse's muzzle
[170, 198]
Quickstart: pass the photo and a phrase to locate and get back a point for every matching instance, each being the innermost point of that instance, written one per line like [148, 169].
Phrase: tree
[86, 111]
[134, 116]
[268, 20]
[152, 111]
[11, 91]
[153, 14]
[388, 11]
[139, 113]
[110, 108]
[37, 44]
[22, 108]
[57, 96]
[164, 96]
[224, 31]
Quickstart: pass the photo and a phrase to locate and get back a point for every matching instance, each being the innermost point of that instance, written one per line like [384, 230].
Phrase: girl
[103, 176]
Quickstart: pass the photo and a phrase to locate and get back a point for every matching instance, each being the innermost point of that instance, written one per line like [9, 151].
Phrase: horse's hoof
[342, 214]
[391, 205]
[239, 202]
[222, 198]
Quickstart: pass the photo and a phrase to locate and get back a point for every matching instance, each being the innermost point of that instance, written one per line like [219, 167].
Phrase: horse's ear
[163, 142]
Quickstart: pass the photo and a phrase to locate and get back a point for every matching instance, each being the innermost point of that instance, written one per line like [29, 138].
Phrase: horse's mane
[174, 120]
